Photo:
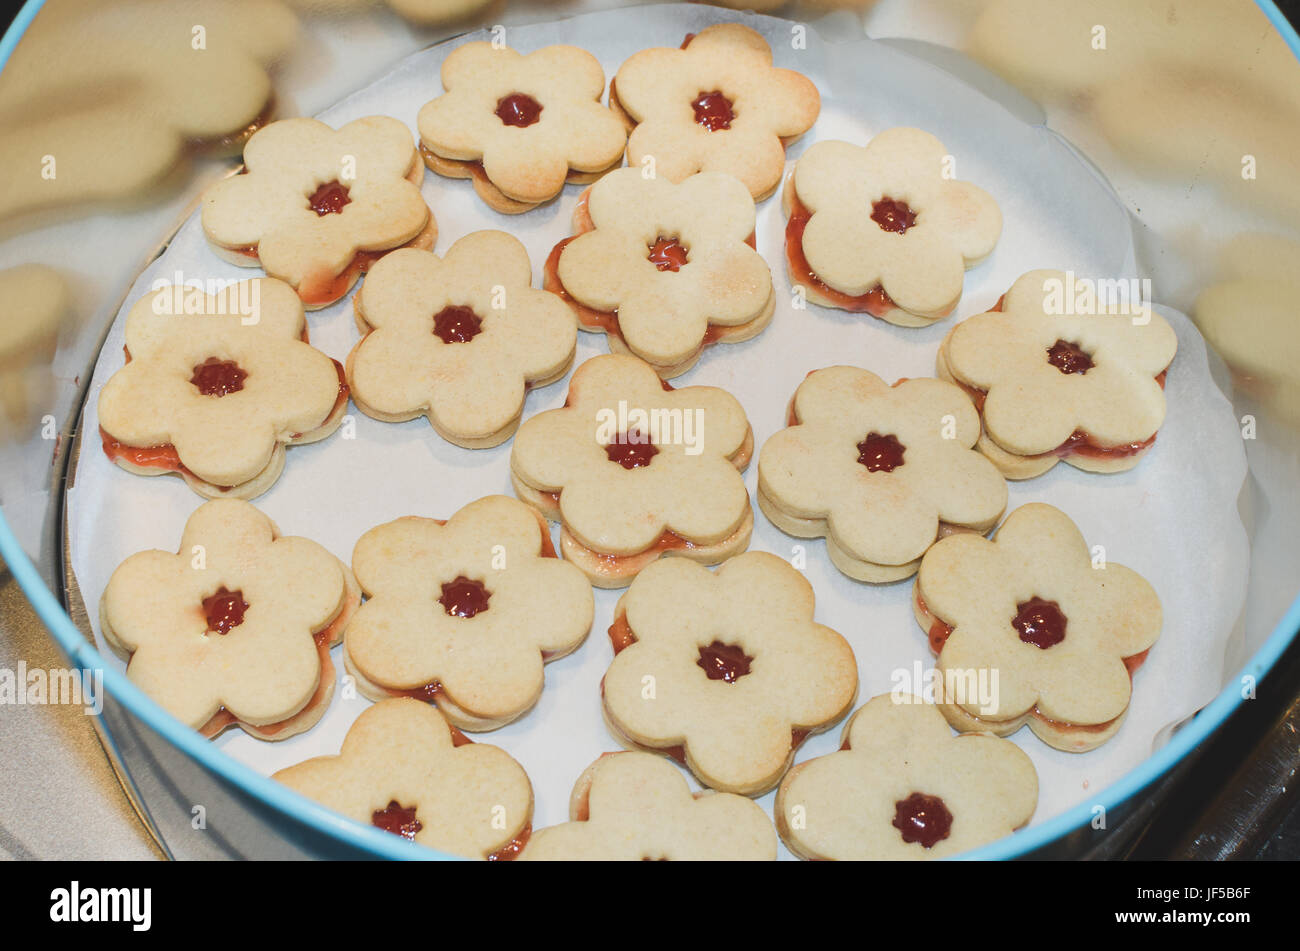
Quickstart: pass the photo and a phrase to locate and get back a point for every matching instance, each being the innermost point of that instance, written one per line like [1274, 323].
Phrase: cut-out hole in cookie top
[217, 377]
[397, 819]
[713, 111]
[464, 597]
[457, 324]
[632, 449]
[893, 215]
[1039, 622]
[1069, 357]
[725, 662]
[667, 254]
[881, 453]
[518, 110]
[329, 199]
[224, 610]
[922, 819]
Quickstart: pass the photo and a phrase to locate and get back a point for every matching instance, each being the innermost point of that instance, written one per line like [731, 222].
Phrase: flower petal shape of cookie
[464, 613]
[717, 104]
[903, 787]
[235, 629]
[664, 269]
[1061, 635]
[638, 807]
[880, 471]
[315, 207]
[634, 470]
[520, 126]
[725, 671]
[403, 769]
[881, 229]
[217, 385]
[459, 339]
[1053, 383]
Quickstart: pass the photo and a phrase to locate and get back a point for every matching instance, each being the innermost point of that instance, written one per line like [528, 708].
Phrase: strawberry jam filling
[667, 254]
[518, 110]
[224, 610]
[879, 453]
[874, 302]
[893, 216]
[217, 377]
[397, 819]
[457, 324]
[464, 597]
[922, 819]
[713, 110]
[632, 450]
[329, 199]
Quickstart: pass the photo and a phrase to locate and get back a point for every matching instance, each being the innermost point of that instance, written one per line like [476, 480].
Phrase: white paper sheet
[1173, 519]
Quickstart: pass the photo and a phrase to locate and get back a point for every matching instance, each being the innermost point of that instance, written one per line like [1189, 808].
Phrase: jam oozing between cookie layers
[922, 819]
[457, 324]
[518, 110]
[667, 254]
[892, 215]
[397, 819]
[217, 377]
[725, 662]
[1069, 357]
[874, 302]
[881, 453]
[329, 199]
[224, 610]
[464, 597]
[632, 449]
[713, 110]
[1039, 622]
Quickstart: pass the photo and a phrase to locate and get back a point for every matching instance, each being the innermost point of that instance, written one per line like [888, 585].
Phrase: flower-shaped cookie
[664, 269]
[236, 628]
[638, 807]
[520, 126]
[903, 787]
[884, 228]
[215, 386]
[459, 339]
[316, 207]
[404, 770]
[1058, 374]
[880, 471]
[725, 671]
[464, 613]
[717, 104]
[1028, 629]
[634, 469]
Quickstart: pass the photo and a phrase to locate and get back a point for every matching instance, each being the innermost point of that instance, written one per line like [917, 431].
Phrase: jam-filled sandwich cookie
[882, 229]
[459, 339]
[903, 787]
[725, 671]
[520, 126]
[633, 470]
[1062, 635]
[316, 207]
[236, 628]
[464, 613]
[664, 270]
[717, 104]
[404, 769]
[216, 386]
[633, 807]
[1052, 384]
[880, 471]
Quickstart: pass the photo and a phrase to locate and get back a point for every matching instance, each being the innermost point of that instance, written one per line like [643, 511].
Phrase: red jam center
[397, 819]
[464, 597]
[726, 662]
[1069, 357]
[892, 215]
[224, 610]
[216, 377]
[329, 199]
[924, 819]
[456, 324]
[713, 111]
[881, 453]
[667, 254]
[631, 450]
[1039, 622]
[518, 110]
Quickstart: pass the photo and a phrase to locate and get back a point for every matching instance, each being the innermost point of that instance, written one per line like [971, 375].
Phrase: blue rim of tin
[83, 654]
